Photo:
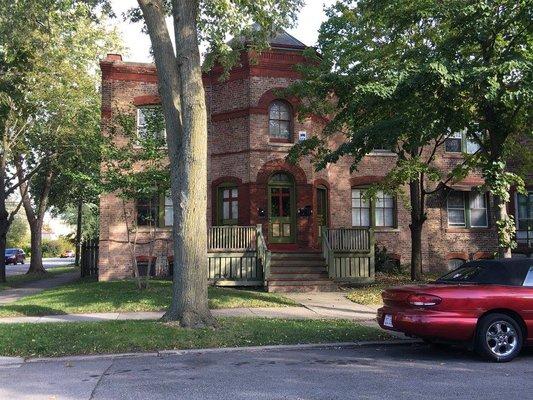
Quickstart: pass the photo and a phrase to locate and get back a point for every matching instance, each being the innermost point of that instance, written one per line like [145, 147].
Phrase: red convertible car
[487, 304]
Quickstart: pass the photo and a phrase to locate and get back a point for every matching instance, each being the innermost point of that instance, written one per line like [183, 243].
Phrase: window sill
[144, 229]
[452, 155]
[386, 230]
[382, 154]
[280, 143]
[468, 230]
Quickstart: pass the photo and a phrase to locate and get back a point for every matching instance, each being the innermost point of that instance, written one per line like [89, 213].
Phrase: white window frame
[139, 126]
[371, 207]
[467, 210]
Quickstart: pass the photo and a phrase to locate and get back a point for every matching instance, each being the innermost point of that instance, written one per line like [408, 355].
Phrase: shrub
[54, 248]
[385, 263]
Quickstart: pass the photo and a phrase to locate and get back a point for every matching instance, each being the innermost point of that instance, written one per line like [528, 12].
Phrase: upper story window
[458, 142]
[379, 212]
[156, 211]
[151, 124]
[467, 210]
[280, 120]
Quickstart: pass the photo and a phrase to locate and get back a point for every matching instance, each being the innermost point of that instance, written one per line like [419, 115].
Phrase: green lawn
[19, 280]
[371, 294]
[89, 296]
[58, 339]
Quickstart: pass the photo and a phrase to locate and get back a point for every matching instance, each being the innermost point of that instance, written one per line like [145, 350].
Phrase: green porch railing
[349, 253]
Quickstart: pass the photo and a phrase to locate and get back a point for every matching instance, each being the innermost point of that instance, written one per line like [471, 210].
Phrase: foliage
[371, 294]
[90, 219]
[385, 263]
[126, 336]
[123, 296]
[18, 234]
[55, 247]
[405, 74]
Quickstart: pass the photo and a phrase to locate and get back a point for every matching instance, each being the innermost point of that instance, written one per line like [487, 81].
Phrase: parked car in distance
[67, 254]
[14, 256]
[486, 304]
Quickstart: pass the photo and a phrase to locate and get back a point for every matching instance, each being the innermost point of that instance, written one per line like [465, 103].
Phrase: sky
[138, 44]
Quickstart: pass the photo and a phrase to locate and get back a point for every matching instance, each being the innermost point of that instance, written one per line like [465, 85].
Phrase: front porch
[240, 256]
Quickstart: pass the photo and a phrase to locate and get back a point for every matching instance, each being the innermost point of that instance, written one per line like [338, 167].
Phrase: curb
[163, 353]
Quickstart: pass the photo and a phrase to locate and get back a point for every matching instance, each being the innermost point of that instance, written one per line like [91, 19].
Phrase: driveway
[48, 263]
[376, 372]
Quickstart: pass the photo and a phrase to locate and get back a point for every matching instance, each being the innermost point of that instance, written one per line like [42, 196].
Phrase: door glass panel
[286, 202]
[275, 230]
[274, 198]
[286, 230]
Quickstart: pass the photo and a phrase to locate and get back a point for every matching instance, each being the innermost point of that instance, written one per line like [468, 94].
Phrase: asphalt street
[48, 263]
[377, 372]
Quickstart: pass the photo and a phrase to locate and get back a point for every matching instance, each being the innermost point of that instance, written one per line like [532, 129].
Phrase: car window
[10, 251]
[462, 274]
[529, 278]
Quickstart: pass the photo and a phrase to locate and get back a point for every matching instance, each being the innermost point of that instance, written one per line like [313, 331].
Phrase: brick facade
[241, 152]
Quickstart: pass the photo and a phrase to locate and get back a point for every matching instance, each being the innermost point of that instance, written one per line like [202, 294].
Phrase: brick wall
[240, 151]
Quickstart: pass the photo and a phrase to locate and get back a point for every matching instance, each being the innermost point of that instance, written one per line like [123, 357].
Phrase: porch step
[319, 262]
[299, 272]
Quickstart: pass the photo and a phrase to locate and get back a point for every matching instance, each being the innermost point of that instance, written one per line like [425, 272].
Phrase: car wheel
[499, 337]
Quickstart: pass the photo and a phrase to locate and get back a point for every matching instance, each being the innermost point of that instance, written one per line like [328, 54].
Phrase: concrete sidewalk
[267, 312]
[11, 295]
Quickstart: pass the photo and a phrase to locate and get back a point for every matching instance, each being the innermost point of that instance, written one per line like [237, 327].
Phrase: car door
[525, 298]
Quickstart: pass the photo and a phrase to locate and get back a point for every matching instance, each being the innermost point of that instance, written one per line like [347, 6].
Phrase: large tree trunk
[78, 233]
[504, 251]
[183, 101]
[36, 261]
[418, 218]
[35, 217]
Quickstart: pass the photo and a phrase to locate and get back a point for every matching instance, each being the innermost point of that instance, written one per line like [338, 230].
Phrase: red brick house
[250, 132]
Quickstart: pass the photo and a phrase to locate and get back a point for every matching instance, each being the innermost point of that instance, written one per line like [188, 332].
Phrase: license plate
[387, 321]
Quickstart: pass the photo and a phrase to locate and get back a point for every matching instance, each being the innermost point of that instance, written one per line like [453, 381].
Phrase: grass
[371, 294]
[19, 280]
[123, 296]
[59, 339]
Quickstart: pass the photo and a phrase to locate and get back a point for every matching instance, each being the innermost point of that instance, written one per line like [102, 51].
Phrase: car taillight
[424, 300]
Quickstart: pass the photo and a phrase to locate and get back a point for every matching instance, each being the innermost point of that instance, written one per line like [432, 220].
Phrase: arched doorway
[281, 208]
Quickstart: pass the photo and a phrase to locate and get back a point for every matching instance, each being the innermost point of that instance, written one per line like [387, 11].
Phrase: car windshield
[10, 252]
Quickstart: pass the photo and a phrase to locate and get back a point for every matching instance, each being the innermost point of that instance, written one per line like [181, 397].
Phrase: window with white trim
[280, 120]
[151, 123]
[379, 212]
[459, 142]
[467, 209]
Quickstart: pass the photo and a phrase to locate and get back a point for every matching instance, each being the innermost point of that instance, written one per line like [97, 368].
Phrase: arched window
[280, 120]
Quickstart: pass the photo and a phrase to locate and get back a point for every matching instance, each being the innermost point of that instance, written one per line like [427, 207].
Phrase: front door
[281, 210]
[321, 208]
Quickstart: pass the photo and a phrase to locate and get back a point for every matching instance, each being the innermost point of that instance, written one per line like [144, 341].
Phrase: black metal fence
[89, 258]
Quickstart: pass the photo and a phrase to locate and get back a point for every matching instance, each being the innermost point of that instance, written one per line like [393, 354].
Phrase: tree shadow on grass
[29, 310]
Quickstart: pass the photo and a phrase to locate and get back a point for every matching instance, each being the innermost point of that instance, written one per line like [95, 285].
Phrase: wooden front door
[321, 208]
[281, 209]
